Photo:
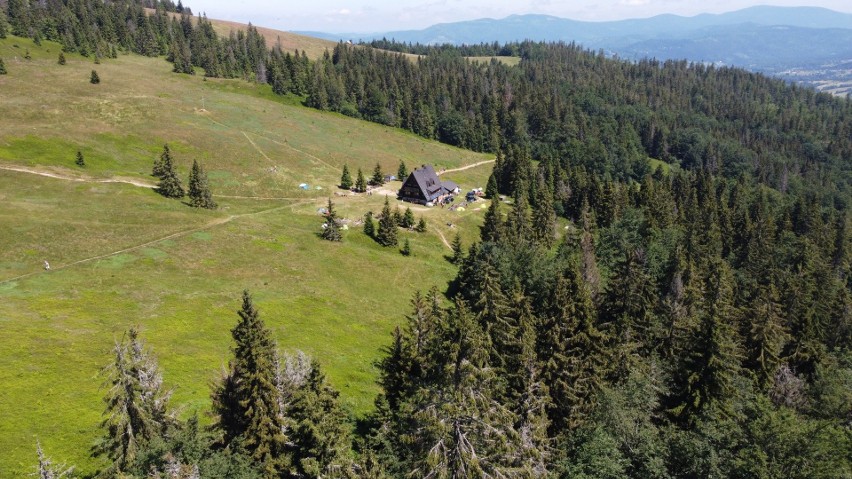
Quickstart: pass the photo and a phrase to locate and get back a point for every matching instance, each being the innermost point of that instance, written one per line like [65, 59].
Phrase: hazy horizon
[370, 16]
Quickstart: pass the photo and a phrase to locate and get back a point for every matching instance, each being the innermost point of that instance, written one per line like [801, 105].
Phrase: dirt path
[60, 176]
[216, 222]
[443, 239]
[462, 168]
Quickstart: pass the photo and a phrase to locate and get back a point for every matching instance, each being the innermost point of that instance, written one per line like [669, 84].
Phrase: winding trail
[216, 222]
[49, 174]
[462, 168]
[443, 239]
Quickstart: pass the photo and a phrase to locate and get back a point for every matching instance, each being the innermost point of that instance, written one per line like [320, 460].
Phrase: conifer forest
[661, 287]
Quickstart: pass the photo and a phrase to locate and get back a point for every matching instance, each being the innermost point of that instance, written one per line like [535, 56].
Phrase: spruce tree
[199, 188]
[320, 433]
[407, 218]
[331, 230]
[161, 163]
[360, 182]
[79, 161]
[136, 404]
[402, 171]
[386, 235]
[458, 252]
[345, 178]
[544, 218]
[406, 248]
[378, 178]
[491, 188]
[2, 67]
[246, 401]
[704, 379]
[94, 79]
[169, 184]
[492, 226]
[369, 225]
[457, 427]
[61, 58]
[421, 226]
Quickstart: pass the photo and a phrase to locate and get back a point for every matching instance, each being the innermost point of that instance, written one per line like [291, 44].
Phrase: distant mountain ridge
[807, 44]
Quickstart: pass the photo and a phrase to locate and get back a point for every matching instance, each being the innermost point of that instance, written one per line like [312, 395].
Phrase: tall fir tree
[136, 404]
[386, 234]
[491, 191]
[360, 182]
[705, 376]
[199, 188]
[369, 224]
[320, 433]
[160, 164]
[79, 160]
[331, 228]
[402, 171]
[378, 178]
[544, 218]
[458, 251]
[492, 229]
[345, 178]
[246, 401]
[169, 184]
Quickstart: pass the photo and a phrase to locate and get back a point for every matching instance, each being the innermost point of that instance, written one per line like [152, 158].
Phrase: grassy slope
[182, 270]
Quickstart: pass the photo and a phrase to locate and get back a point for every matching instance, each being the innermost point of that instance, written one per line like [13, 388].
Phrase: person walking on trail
[46, 265]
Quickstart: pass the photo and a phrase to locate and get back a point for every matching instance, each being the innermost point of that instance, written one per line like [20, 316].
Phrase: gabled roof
[449, 186]
[428, 181]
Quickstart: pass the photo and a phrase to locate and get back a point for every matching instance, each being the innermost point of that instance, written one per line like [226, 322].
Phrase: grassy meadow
[121, 255]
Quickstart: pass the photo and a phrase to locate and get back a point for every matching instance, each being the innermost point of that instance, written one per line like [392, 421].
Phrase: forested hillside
[660, 287]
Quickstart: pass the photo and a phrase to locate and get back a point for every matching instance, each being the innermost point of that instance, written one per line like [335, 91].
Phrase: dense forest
[691, 319]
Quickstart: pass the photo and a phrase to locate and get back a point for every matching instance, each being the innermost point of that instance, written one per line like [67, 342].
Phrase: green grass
[122, 255]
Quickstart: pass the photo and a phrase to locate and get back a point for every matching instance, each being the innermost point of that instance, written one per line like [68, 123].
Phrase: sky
[369, 16]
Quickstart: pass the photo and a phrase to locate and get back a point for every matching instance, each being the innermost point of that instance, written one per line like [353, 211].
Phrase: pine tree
[406, 248]
[386, 235]
[369, 225]
[402, 171]
[331, 230]
[320, 432]
[421, 226]
[246, 401]
[61, 58]
[378, 178]
[407, 218]
[544, 218]
[492, 229]
[458, 252]
[199, 189]
[491, 188]
[360, 182]
[2, 67]
[169, 184]
[459, 429]
[79, 161]
[704, 379]
[160, 164]
[136, 404]
[345, 178]
[94, 79]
